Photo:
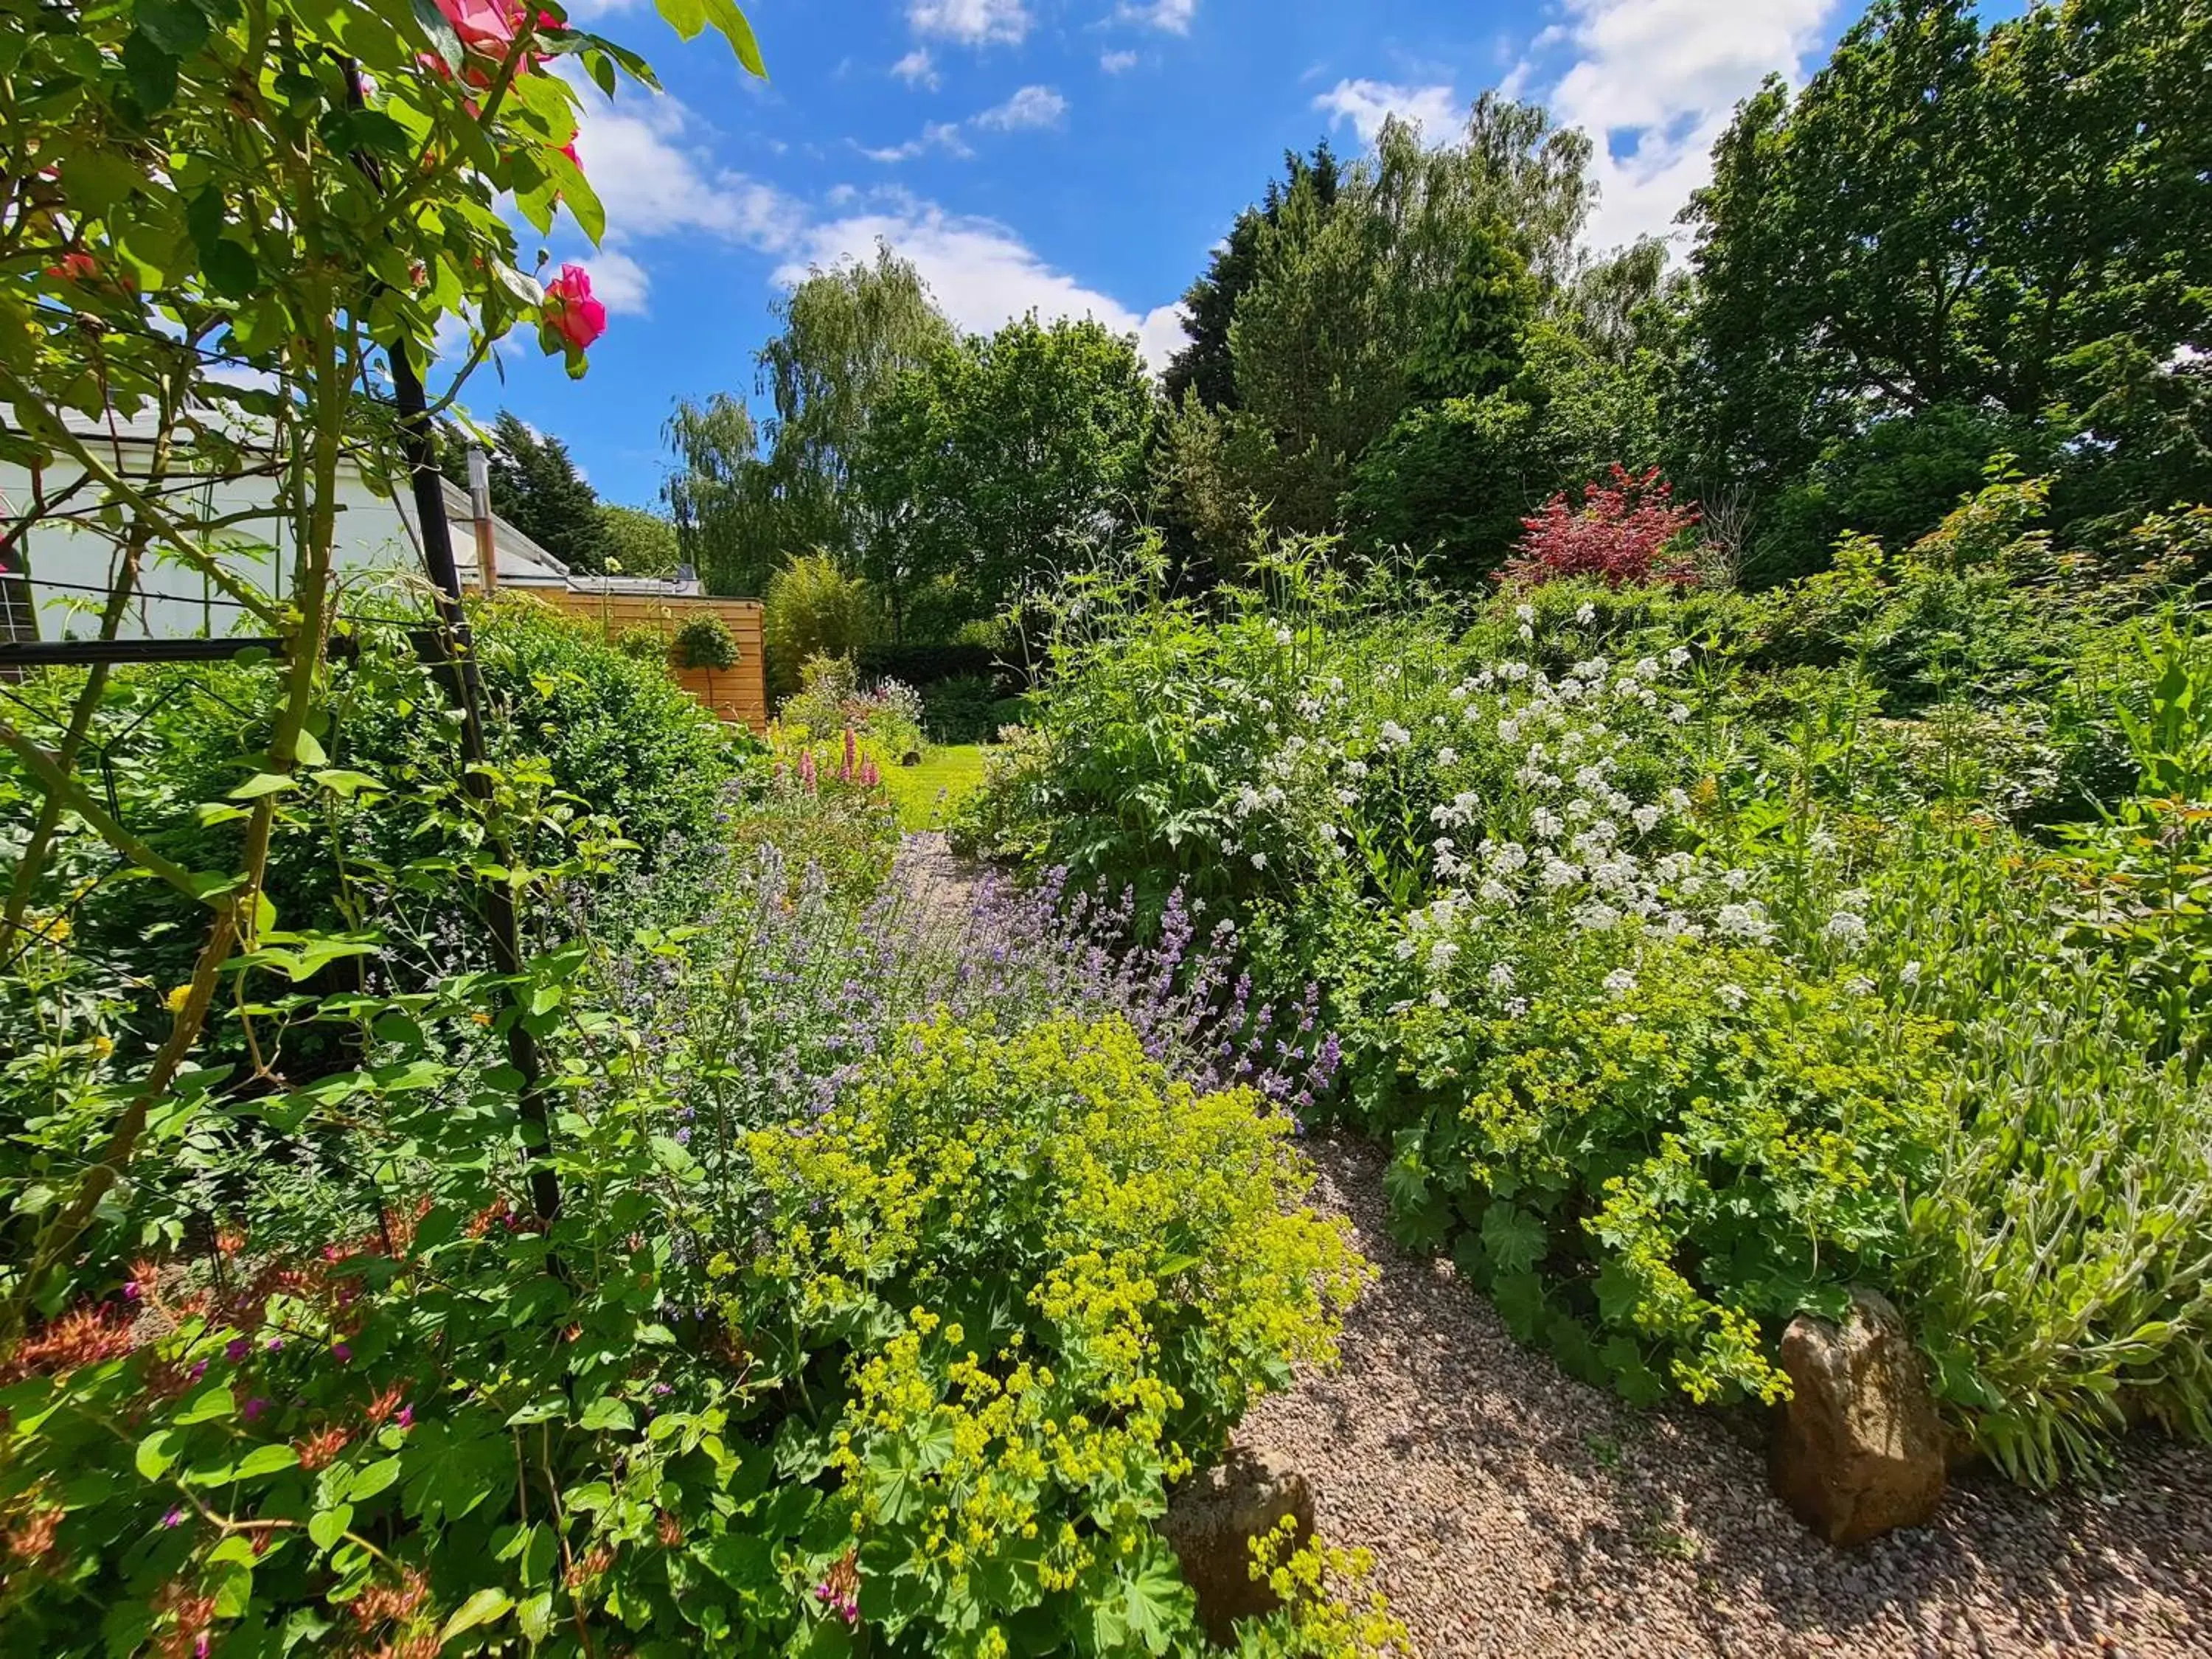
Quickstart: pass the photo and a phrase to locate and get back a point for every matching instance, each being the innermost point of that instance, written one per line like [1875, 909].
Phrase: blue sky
[1075, 156]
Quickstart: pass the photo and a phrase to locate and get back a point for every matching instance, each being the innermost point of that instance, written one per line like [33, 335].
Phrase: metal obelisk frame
[418, 445]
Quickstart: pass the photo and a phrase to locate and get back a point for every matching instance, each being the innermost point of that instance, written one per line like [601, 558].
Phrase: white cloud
[937, 135]
[982, 274]
[1654, 83]
[1172, 15]
[617, 281]
[971, 22]
[917, 69]
[1160, 335]
[1117, 62]
[1367, 103]
[653, 180]
[1032, 107]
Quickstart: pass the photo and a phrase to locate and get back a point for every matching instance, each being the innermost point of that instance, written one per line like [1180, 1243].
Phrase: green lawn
[927, 794]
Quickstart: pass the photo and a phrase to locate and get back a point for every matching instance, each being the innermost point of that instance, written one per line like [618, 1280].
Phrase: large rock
[1859, 1451]
[1210, 1522]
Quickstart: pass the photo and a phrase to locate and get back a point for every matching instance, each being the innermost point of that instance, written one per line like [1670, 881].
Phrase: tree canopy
[2010, 224]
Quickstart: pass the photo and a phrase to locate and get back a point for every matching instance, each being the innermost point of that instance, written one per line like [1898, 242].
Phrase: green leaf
[445, 39]
[536, 1617]
[155, 1456]
[95, 181]
[151, 72]
[262, 783]
[1569, 1339]
[178, 27]
[265, 1460]
[326, 1527]
[740, 1561]
[482, 1608]
[607, 1413]
[731, 21]
[1520, 1302]
[1515, 1240]
[368, 1482]
[307, 749]
[686, 17]
[538, 1555]
[1618, 1290]
[1153, 1605]
[1632, 1379]
[237, 1549]
[234, 1593]
[210, 1403]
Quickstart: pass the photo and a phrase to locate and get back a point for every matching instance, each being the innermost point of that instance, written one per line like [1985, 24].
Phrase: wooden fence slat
[737, 695]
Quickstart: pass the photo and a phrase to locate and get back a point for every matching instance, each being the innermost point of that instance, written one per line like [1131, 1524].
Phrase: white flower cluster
[1584, 860]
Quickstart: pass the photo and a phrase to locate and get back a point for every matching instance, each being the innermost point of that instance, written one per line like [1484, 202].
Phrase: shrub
[1694, 951]
[644, 643]
[832, 818]
[830, 704]
[1033, 1327]
[815, 610]
[2060, 1277]
[1168, 1279]
[927, 665]
[706, 641]
[614, 732]
[574, 728]
[1627, 531]
[961, 710]
[1668, 1152]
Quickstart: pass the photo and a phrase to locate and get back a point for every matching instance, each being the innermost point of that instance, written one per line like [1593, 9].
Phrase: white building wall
[71, 568]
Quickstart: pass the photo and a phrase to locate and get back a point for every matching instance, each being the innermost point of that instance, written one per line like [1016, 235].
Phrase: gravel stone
[1513, 1512]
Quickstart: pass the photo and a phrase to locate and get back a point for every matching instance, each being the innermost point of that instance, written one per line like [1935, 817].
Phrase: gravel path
[937, 885]
[1513, 1512]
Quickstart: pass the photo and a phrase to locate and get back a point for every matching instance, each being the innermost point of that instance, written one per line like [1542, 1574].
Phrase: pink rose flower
[570, 310]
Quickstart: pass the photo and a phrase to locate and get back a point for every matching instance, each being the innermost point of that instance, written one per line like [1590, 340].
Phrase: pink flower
[340, 1352]
[486, 26]
[79, 267]
[406, 1418]
[174, 1518]
[570, 310]
[568, 150]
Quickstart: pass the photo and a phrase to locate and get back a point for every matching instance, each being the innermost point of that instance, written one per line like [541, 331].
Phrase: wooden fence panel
[738, 694]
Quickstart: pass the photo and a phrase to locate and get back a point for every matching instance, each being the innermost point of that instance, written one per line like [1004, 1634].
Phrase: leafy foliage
[706, 641]
[815, 610]
[1696, 952]
[2000, 219]
[1626, 532]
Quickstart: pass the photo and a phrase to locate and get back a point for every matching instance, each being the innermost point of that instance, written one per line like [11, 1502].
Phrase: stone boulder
[1859, 1449]
[1212, 1520]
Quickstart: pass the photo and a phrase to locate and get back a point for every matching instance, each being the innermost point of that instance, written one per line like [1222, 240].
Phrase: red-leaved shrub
[1628, 529]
